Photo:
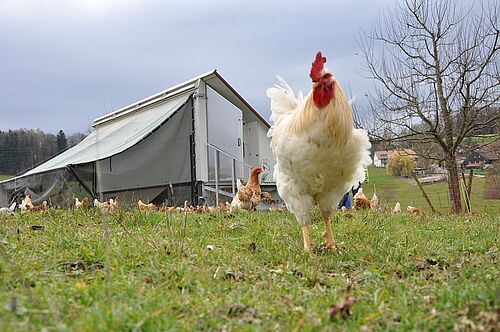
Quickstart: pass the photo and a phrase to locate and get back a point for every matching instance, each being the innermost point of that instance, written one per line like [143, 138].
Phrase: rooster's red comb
[317, 67]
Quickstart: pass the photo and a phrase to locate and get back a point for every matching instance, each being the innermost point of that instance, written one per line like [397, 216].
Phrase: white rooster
[319, 155]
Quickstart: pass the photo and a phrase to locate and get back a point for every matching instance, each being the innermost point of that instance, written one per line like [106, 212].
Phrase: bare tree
[437, 68]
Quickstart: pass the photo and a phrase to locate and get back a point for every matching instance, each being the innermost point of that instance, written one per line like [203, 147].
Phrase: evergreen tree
[62, 142]
[22, 149]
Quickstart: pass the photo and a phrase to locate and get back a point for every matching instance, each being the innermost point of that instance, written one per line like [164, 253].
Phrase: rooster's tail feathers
[283, 102]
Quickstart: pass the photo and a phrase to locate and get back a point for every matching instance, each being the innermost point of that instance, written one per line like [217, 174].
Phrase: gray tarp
[114, 136]
[137, 150]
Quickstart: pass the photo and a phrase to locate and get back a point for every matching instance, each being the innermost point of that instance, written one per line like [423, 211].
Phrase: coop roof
[112, 137]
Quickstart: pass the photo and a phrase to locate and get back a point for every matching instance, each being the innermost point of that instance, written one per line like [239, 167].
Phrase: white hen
[319, 155]
[9, 209]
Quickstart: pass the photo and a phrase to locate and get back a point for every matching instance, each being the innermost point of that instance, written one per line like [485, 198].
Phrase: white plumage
[319, 155]
[8, 209]
[397, 208]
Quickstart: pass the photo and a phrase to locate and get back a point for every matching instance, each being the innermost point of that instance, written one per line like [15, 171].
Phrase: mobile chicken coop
[189, 142]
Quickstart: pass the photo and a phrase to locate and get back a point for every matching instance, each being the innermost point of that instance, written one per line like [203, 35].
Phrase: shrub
[400, 163]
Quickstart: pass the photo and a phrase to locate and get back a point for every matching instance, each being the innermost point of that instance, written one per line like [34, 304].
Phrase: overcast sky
[64, 63]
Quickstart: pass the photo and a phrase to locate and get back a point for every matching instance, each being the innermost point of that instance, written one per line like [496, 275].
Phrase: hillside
[390, 190]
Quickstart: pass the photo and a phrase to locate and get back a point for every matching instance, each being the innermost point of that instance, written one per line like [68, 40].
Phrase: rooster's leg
[305, 235]
[329, 243]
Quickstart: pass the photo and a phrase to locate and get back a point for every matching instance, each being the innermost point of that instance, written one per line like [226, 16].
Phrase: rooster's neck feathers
[336, 117]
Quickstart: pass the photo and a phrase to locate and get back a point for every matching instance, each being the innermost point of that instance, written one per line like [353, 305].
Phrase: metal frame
[82, 183]
[192, 148]
[216, 190]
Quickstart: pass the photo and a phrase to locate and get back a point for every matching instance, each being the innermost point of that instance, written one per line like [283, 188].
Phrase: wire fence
[438, 195]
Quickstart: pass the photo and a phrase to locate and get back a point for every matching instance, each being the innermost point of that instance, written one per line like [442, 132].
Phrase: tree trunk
[453, 183]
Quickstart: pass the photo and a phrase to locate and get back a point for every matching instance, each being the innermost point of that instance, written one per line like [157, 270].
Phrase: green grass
[4, 177]
[391, 190]
[406, 273]
[480, 139]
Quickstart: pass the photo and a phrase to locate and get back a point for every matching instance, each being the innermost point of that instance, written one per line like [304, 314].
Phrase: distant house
[381, 158]
[408, 152]
[485, 155]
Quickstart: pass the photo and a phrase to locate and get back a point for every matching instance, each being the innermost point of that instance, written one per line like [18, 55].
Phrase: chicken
[166, 208]
[210, 209]
[224, 207]
[143, 206]
[319, 155]
[83, 203]
[39, 207]
[266, 197]
[397, 208]
[103, 206]
[414, 210]
[106, 206]
[374, 201]
[361, 201]
[248, 196]
[9, 209]
[26, 203]
[114, 203]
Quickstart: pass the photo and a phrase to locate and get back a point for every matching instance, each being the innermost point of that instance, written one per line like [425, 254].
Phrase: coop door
[225, 122]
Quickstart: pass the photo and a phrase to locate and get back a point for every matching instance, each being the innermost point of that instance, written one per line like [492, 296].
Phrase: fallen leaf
[80, 285]
[245, 314]
[420, 266]
[343, 307]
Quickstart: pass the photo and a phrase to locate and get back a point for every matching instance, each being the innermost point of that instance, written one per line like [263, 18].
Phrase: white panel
[224, 122]
[201, 140]
[251, 138]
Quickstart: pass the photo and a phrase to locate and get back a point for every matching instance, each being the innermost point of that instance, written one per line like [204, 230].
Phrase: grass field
[4, 177]
[246, 272]
[391, 190]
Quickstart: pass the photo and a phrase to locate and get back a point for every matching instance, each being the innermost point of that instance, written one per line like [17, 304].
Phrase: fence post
[423, 191]
[216, 164]
[466, 194]
[469, 185]
[233, 175]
